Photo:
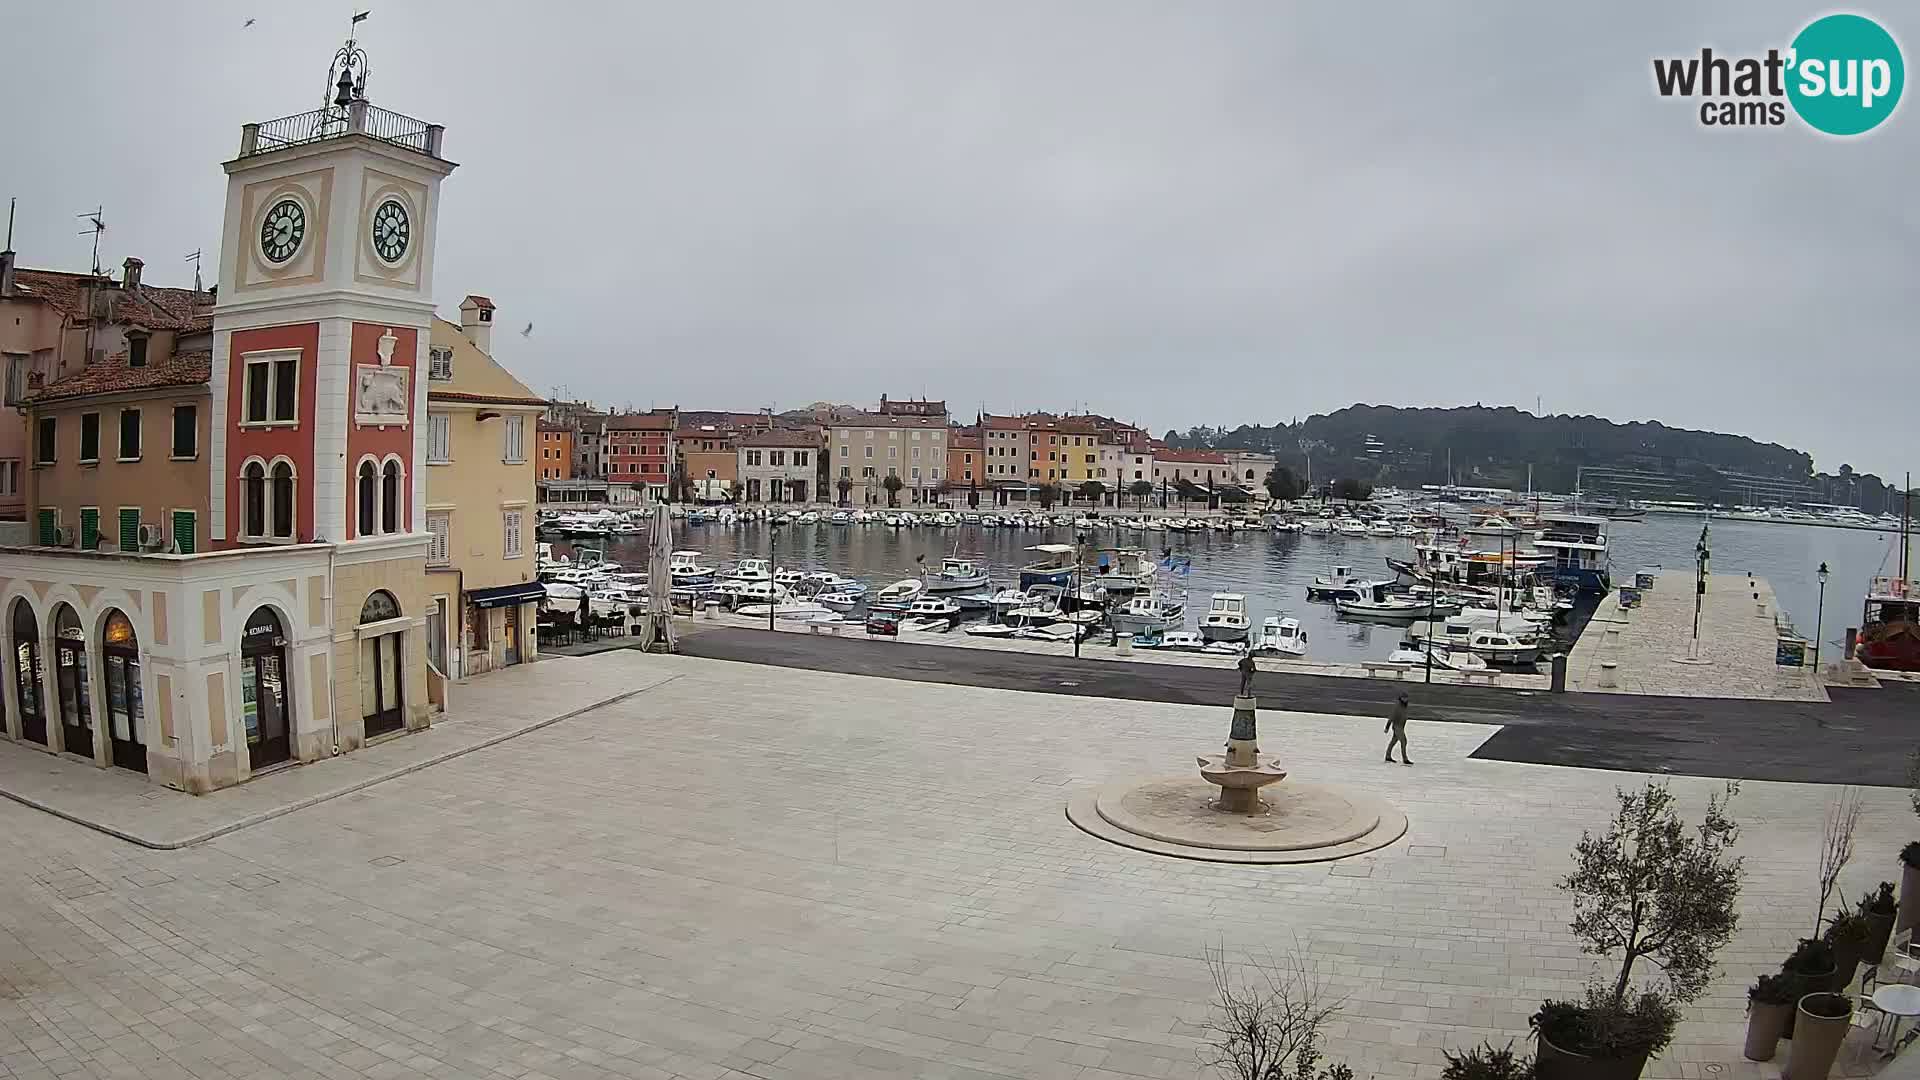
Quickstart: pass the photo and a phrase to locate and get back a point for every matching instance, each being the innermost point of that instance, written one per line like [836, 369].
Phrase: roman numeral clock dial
[282, 230]
[392, 231]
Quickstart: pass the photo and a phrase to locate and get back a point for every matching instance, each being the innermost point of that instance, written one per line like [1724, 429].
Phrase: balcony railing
[359, 118]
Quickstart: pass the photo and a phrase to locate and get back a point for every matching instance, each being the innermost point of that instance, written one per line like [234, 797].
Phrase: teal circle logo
[1846, 74]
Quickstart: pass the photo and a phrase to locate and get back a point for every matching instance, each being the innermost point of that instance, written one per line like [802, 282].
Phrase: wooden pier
[1645, 650]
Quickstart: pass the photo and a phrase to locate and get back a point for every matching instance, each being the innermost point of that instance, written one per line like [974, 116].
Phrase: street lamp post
[1819, 619]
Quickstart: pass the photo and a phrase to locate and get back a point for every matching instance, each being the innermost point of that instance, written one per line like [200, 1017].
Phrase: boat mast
[1906, 526]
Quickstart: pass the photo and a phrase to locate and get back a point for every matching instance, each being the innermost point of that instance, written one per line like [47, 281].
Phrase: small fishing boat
[1149, 615]
[1342, 584]
[686, 568]
[1181, 639]
[1054, 566]
[838, 601]
[898, 595]
[1378, 605]
[1225, 648]
[787, 609]
[1503, 648]
[1283, 637]
[1443, 659]
[1226, 618]
[992, 630]
[957, 575]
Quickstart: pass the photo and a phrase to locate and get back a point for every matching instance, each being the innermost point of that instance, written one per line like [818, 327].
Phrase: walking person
[1397, 724]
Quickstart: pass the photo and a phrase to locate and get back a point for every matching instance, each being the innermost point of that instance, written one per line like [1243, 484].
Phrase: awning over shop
[525, 592]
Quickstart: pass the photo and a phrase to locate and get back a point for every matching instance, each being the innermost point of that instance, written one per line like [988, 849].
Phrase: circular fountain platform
[1299, 822]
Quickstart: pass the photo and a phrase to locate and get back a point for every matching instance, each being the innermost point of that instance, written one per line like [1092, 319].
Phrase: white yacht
[1283, 636]
[1125, 571]
[747, 570]
[1226, 618]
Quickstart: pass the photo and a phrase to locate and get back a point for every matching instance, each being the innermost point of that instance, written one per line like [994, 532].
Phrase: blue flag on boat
[1178, 564]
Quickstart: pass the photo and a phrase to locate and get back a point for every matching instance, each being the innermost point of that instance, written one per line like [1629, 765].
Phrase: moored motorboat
[898, 595]
[1226, 618]
[1282, 637]
[957, 575]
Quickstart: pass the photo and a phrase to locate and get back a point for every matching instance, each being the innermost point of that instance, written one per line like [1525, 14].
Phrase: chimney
[6, 274]
[476, 321]
[132, 267]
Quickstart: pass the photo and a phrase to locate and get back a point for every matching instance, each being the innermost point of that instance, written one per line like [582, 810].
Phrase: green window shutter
[130, 529]
[183, 531]
[49, 524]
[89, 529]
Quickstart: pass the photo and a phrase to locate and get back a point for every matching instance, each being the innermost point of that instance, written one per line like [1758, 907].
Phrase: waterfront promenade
[750, 871]
[1648, 645]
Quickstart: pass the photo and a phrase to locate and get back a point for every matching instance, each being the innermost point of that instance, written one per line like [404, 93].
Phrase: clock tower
[320, 332]
[319, 386]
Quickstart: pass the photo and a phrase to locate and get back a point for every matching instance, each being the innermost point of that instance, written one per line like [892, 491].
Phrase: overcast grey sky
[1196, 212]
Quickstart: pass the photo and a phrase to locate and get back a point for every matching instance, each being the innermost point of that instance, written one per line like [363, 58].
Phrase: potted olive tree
[1770, 1003]
[1824, 1020]
[1650, 887]
[1879, 908]
[1483, 1062]
[1849, 934]
[1909, 887]
[1811, 968]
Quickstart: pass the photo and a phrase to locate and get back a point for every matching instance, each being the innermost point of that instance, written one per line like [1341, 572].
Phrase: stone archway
[382, 668]
[264, 694]
[28, 669]
[72, 687]
[125, 705]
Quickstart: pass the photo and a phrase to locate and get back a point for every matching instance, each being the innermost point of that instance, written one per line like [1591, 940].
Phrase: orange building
[966, 465]
[556, 452]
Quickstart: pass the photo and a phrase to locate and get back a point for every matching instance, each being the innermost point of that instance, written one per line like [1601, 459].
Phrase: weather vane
[347, 75]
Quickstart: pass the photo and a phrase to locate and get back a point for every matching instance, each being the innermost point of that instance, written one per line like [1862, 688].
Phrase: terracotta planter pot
[1909, 898]
[1766, 1025]
[1882, 924]
[1816, 1042]
[1553, 1063]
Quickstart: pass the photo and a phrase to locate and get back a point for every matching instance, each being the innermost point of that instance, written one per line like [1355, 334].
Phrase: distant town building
[870, 447]
[640, 450]
[780, 466]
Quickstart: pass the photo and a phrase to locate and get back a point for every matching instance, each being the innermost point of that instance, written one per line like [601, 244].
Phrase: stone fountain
[1220, 816]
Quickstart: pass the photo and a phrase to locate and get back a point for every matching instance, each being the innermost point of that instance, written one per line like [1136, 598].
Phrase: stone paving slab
[1736, 641]
[787, 874]
[481, 712]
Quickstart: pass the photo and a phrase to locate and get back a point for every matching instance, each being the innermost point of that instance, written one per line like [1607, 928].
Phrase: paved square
[761, 872]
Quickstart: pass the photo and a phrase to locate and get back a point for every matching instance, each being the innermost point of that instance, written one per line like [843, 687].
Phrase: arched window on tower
[283, 501]
[253, 496]
[390, 498]
[368, 480]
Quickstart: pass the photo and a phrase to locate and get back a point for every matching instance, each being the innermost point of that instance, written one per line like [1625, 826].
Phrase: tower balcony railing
[358, 118]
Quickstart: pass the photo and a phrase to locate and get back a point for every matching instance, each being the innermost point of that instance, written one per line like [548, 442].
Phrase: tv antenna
[194, 258]
[96, 224]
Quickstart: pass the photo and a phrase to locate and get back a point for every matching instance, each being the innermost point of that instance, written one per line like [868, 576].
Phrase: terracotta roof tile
[801, 438]
[146, 306]
[483, 399]
[183, 369]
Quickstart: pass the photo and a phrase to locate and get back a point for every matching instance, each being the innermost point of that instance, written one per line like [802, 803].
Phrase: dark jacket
[1398, 718]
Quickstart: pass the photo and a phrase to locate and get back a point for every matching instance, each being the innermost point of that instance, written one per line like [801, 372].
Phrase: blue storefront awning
[506, 595]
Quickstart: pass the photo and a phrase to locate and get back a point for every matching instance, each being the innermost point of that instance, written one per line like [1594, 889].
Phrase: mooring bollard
[1559, 673]
[1124, 646]
[1607, 679]
[713, 609]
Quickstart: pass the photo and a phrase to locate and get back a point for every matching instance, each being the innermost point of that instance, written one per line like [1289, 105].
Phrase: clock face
[282, 230]
[391, 231]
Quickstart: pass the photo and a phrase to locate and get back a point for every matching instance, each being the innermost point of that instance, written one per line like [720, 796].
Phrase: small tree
[1092, 490]
[1646, 888]
[1140, 489]
[1282, 485]
[1234, 496]
[1353, 490]
[1047, 493]
[1836, 848]
[1268, 1028]
[1188, 490]
[843, 485]
[893, 484]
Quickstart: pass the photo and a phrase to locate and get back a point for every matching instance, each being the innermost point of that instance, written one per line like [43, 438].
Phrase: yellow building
[481, 431]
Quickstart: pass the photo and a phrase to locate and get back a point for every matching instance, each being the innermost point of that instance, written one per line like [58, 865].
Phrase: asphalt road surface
[1862, 737]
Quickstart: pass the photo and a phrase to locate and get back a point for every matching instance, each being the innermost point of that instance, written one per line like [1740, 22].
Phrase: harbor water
[1273, 570]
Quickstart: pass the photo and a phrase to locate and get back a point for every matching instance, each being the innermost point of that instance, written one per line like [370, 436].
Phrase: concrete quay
[772, 873]
[1649, 646]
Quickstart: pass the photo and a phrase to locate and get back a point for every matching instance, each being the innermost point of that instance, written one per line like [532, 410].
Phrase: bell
[344, 96]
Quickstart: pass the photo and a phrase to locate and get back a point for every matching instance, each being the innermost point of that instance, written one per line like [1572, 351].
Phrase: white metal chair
[1901, 963]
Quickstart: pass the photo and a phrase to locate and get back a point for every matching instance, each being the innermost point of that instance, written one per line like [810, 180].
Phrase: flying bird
[528, 332]
[246, 24]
